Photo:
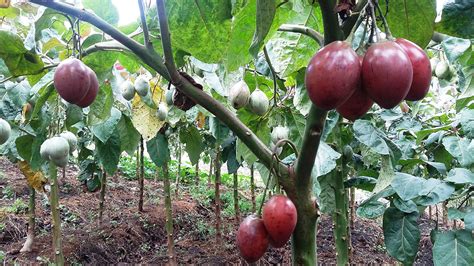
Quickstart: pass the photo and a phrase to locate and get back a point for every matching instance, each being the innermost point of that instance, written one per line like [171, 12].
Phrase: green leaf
[405, 206]
[104, 130]
[196, 24]
[302, 102]
[103, 9]
[457, 19]
[455, 47]
[407, 186]
[453, 248]
[422, 134]
[434, 191]
[469, 219]
[401, 234]
[362, 182]
[412, 20]
[218, 129]
[460, 148]
[193, 143]
[23, 146]
[371, 209]
[129, 135]
[370, 136]
[325, 160]
[44, 94]
[387, 174]
[10, 12]
[159, 150]
[101, 107]
[460, 176]
[327, 200]
[467, 122]
[266, 10]
[19, 61]
[109, 152]
[74, 115]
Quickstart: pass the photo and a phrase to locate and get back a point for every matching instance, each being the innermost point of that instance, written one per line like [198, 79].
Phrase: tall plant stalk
[252, 189]
[103, 186]
[217, 165]
[54, 200]
[236, 197]
[169, 216]
[30, 235]
[141, 177]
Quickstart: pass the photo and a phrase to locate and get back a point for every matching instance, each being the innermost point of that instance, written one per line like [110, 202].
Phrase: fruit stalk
[252, 189]
[54, 200]
[197, 174]
[340, 217]
[236, 197]
[103, 185]
[141, 177]
[218, 195]
[169, 215]
[209, 177]
[179, 170]
[30, 237]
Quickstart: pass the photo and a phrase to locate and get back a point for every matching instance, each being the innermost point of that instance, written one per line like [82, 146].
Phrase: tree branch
[350, 22]
[146, 35]
[105, 46]
[318, 37]
[155, 61]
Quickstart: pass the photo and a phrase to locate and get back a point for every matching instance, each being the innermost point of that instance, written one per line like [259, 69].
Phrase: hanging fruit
[239, 95]
[258, 102]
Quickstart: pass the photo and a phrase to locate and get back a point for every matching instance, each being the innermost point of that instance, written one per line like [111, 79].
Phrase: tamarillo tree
[284, 88]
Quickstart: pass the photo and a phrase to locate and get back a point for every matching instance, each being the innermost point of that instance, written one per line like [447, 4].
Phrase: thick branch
[332, 31]
[318, 37]
[155, 61]
[150, 58]
[166, 41]
[146, 35]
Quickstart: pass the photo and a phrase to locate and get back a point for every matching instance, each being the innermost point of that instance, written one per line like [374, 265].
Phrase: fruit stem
[274, 76]
[384, 21]
[259, 213]
[54, 201]
[357, 24]
[374, 21]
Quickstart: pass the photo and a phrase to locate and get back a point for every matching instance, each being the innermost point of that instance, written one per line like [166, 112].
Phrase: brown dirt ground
[126, 236]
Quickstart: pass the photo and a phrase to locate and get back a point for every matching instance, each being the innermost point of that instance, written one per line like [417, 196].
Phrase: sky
[128, 9]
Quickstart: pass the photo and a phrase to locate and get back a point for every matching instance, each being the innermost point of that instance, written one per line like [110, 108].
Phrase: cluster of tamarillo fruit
[239, 97]
[58, 148]
[390, 71]
[274, 228]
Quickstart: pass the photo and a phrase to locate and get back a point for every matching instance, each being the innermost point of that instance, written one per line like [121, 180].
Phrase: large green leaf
[467, 122]
[101, 107]
[460, 148]
[457, 19]
[401, 234]
[407, 186]
[104, 9]
[412, 20]
[266, 10]
[193, 143]
[371, 209]
[325, 160]
[460, 176]
[194, 25]
[434, 191]
[455, 47]
[129, 135]
[104, 130]
[453, 248]
[386, 174]
[109, 152]
[159, 150]
[18, 60]
[407, 206]
[327, 200]
[376, 140]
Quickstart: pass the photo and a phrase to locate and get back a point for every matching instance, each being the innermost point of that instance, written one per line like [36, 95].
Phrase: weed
[2, 256]
[8, 192]
[18, 207]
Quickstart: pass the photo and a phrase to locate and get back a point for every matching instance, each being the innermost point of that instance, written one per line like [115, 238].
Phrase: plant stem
[274, 76]
[197, 174]
[217, 197]
[103, 186]
[169, 216]
[209, 177]
[318, 37]
[384, 21]
[252, 189]
[236, 197]
[54, 200]
[30, 236]
[146, 35]
[179, 170]
[141, 176]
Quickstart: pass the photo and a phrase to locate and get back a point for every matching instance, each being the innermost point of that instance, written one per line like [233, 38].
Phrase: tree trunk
[217, 182]
[169, 216]
[103, 185]
[197, 174]
[209, 177]
[179, 170]
[54, 200]
[236, 197]
[341, 223]
[141, 177]
[252, 189]
[30, 236]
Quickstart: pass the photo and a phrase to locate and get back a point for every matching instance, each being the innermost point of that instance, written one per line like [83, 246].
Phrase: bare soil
[127, 236]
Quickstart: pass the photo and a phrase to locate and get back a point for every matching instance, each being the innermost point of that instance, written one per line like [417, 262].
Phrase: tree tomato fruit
[252, 238]
[421, 70]
[279, 217]
[332, 75]
[91, 94]
[387, 73]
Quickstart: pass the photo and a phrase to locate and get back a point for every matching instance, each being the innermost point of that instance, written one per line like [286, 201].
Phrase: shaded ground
[131, 237]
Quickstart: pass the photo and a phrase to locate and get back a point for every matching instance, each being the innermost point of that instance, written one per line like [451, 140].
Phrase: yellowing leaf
[143, 117]
[35, 180]
[201, 120]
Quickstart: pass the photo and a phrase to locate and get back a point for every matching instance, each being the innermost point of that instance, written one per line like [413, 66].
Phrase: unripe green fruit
[61, 162]
[5, 131]
[348, 152]
[169, 96]
[442, 70]
[44, 149]
[259, 102]
[162, 112]
[239, 95]
[59, 148]
[279, 133]
[71, 139]
[142, 86]
[168, 132]
[128, 91]
[433, 62]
